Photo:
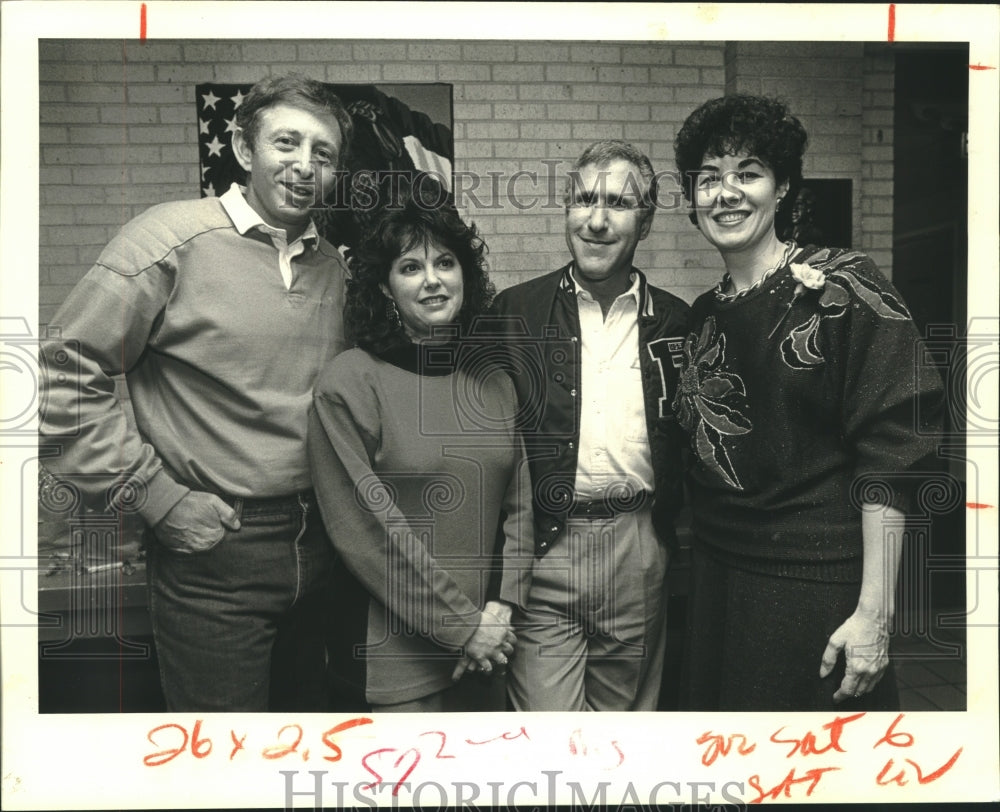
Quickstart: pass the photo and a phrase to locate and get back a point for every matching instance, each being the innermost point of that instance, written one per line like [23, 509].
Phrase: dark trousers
[242, 626]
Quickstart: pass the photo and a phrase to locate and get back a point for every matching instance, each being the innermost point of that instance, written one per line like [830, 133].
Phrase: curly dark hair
[757, 125]
[416, 211]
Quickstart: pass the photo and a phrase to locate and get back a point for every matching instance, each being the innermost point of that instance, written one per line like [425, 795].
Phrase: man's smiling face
[292, 164]
[605, 220]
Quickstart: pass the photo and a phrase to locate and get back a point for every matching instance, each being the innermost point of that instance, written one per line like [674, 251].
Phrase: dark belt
[271, 504]
[608, 508]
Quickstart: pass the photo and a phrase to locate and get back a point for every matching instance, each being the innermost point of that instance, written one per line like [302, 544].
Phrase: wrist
[498, 611]
[874, 612]
[496, 614]
[161, 495]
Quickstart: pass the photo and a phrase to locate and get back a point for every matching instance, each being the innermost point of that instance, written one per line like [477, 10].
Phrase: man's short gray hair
[602, 153]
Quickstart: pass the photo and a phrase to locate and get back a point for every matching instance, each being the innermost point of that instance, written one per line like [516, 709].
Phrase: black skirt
[755, 640]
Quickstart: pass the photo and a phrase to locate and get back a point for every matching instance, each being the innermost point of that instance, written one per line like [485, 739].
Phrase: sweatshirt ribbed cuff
[162, 493]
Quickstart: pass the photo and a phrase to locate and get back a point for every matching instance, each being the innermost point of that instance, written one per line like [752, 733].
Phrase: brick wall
[118, 130]
[877, 155]
[118, 133]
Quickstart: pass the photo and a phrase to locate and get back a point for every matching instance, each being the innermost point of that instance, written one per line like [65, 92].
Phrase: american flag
[388, 135]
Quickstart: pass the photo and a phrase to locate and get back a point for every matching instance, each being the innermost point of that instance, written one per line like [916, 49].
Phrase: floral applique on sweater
[709, 401]
[712, 401]
[800, 349]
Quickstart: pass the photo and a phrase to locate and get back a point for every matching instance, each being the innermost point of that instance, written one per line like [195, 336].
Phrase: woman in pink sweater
[416, 462]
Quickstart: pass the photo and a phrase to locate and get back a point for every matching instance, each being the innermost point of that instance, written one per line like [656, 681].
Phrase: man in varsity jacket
[593, 351]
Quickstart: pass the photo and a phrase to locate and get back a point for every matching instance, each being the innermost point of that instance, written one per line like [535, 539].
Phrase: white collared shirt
[244, 218]
[614, 446]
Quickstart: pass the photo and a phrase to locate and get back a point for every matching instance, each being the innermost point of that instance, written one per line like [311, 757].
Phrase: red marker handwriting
[200, 747]
[443, 740]
[508, 736]
[407, 761]
[173, 740]
[574, 748]
[328, 736]
[238, 744]
[807, 744]
[980, 67]
[900, 778]
[892, 22]
[414, 755]
[719, 745]
[830, 739]
[281, 750]
[784, 787]
[578, 747]
[903, 739]
[893, 738]
[978, 505]
[142, 22]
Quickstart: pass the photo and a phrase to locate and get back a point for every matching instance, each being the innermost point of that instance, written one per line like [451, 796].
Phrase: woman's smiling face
[427, 285]
[735, 199]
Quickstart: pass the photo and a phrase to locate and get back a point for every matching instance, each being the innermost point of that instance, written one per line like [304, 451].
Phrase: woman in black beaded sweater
[799, 392]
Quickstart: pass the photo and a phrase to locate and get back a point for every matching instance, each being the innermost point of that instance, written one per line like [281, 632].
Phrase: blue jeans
[242, 626]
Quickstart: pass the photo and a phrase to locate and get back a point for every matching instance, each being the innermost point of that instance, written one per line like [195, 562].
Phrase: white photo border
[90, 761]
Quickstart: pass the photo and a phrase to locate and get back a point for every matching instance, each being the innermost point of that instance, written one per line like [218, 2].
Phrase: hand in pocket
[196, 524]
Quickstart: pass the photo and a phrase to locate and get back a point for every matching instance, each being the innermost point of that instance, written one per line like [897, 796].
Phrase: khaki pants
[592, 632]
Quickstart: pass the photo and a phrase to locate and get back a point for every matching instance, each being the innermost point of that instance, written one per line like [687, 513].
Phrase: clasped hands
[491, 643]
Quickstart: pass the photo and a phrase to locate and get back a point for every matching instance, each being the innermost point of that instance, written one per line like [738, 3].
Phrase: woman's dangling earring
[392, 313]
